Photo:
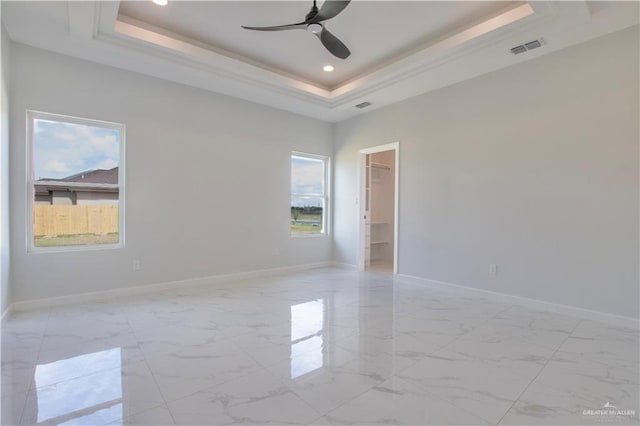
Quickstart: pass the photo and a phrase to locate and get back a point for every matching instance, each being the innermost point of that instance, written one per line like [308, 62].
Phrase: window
[309, 200]
[76, 172]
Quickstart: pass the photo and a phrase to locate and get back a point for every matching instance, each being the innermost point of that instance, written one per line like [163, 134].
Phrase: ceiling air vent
[527, 46]
[363, 105]
[518, 49]
[533, 44]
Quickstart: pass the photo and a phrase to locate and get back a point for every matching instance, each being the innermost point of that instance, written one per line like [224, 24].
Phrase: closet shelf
[380, 166]
[379, 242]
[378, 223]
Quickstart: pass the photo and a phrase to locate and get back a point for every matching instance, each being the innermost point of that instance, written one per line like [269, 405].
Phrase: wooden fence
[73, 220]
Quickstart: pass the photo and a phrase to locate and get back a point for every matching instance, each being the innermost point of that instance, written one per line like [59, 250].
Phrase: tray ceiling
[399, 49]
[377, 33]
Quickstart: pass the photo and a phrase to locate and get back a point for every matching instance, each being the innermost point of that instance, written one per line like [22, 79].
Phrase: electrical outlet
[136, 265]
[493, 269]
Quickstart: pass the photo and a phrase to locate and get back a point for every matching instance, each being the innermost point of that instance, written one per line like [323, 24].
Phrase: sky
[307, 176]
[64, 149]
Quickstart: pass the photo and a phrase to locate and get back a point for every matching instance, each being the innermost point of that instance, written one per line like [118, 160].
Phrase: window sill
[323, 235]
[73, 249]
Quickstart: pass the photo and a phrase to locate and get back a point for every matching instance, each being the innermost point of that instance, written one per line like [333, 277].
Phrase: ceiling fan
[313, 22]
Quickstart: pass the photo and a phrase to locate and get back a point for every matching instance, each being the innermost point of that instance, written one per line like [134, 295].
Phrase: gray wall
[4, 174]
[533, 168]
[63, 198]
[207, 178]
[96, 198]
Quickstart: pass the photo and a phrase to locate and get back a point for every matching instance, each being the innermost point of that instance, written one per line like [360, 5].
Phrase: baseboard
[617, 320]
[344, 265]
[148, 288]
[6, 313]
[215, 279]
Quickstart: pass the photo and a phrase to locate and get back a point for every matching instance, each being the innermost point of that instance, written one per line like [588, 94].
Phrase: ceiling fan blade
[330, 9]
[300, 25]
[333, 44]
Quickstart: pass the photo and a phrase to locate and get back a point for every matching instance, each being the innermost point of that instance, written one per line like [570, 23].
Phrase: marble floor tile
[12, 407]
[180, 335]
[380, 366]
[154, 417]
[91, 321]
[514, 355]
[98, 397]
[329, 387]
[603, 342]
[323, 346]
[502, 329]
[256, 399]
[20, 342]
[321, 421]
[544, 405]
[468, 383]
[300, 364]
[399, 402]
[538, 320]
[593, 381]
[269, 349]
[389, 355]
[17, 376]
[31, 321]
[59, 346]
[182, 370]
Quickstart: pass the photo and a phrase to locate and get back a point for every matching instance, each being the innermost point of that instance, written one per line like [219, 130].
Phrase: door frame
[360, 255]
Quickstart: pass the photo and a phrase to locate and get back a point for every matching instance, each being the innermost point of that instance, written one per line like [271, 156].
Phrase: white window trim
[30, 201]
[326, 222]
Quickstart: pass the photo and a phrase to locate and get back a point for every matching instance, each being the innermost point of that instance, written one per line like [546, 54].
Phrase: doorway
[378, 209]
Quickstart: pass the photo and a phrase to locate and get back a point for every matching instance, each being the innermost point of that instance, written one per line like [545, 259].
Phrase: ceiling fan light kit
[314, 28]
[314, 24]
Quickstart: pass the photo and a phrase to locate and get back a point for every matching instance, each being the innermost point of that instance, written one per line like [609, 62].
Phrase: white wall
[4, 174]
[534, 168]
[207, 178]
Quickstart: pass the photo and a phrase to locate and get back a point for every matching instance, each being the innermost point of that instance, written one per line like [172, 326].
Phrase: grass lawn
[309, 216]
[75, 240]
[305, 227]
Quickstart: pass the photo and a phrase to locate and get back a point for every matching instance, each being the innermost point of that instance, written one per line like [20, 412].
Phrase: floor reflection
[88, 389]
[307, 332]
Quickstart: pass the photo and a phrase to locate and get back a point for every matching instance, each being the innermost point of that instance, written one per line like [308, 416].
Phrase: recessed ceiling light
[160, 2]
[328, 68]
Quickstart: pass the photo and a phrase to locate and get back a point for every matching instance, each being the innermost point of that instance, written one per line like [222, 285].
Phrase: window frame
[31, 116]
[326, 167]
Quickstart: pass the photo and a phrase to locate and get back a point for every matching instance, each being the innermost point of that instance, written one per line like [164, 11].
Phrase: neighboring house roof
[90, 180]
[93, 176]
